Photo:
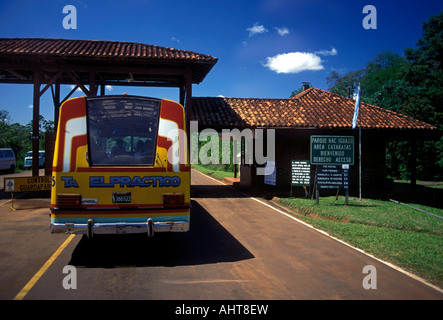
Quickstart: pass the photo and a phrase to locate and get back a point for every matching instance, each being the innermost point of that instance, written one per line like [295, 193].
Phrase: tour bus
[120, 166]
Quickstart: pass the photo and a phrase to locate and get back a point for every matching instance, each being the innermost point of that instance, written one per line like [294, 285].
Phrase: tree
[426, 73]
[426, 66]
[295, 92]
[18, 137]
[339, 83]
[412, 85]
[386, 68]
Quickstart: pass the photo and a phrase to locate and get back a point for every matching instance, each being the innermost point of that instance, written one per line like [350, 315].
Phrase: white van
[27, 162]
[7, 160]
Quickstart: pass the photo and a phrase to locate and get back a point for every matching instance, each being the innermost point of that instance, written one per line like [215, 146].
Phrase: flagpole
[359, 155]
[357, 117]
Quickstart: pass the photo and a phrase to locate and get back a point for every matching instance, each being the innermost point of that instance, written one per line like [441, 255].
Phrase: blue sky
[265, 48]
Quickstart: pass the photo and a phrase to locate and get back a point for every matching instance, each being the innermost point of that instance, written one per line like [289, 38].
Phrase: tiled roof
[96, 49]
[312, 108]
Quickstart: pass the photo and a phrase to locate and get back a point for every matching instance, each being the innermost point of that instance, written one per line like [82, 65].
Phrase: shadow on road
[206, 242]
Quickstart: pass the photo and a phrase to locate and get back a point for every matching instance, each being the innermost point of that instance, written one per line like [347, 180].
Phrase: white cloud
[282, 31]
[256, 29]
[294, 62]
[78, 89]
[30, 106]
[109, 88]
[332, 52]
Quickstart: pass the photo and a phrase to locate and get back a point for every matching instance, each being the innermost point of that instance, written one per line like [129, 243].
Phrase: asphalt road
[237, 248]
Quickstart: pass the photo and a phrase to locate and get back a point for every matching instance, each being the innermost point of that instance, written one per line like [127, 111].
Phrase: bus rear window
[122, 131]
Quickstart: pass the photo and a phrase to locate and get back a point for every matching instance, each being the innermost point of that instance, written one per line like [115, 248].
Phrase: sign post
[26, 184]
[333, 177]
[332, 150]
[300, 174]
[332, 156]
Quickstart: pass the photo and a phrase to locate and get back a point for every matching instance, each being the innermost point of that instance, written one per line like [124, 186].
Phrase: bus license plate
[121, 197]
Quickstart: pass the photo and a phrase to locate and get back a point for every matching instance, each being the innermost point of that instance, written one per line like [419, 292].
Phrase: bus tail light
[68, 200]
[173, 199]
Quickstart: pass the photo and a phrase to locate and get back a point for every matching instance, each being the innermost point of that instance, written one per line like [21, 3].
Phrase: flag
[356, 109]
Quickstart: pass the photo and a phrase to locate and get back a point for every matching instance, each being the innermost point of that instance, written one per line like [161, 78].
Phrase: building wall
[294, 144]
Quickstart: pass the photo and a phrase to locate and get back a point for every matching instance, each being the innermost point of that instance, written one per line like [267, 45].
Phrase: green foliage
[218, 152]
[295, 92]
[18, 137]
[339, 83]
[412, 85]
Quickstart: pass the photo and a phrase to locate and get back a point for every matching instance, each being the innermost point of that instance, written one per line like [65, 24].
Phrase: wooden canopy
[82, 63]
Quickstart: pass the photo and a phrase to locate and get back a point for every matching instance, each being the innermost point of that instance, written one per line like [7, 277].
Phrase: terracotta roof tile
[95, 48]
[311, 108]
[105, 52]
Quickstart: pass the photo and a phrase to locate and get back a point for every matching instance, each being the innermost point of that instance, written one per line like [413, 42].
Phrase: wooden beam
[78, 83]
[16, 74]
[69, 94]
[120, 69]
[51, 82]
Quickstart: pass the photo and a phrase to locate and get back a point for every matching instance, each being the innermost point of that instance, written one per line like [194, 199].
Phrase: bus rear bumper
[149, 227]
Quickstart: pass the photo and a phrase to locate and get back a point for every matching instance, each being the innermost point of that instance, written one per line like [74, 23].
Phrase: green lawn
[401, 235]
[213, 173]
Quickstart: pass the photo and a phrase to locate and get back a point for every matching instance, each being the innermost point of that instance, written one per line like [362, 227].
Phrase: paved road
[237, 248]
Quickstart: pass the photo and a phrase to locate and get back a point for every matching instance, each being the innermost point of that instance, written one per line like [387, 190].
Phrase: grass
[403, 236]
[429, 184]
[213, 173]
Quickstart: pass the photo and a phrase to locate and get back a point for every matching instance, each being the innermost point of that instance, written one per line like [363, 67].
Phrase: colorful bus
[120, 166]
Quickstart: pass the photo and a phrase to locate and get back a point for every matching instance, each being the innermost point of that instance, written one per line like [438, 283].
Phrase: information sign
[301, 173]
[333, 177]
[270, 173]
[27, 184]
[332, 150]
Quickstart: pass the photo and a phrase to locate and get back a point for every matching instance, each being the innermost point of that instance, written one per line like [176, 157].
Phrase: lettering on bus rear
[137, 181]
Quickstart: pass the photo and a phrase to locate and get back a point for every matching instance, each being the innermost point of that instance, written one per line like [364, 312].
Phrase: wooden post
[188, 101]
[317, 196]
[92, 87]
[56, 105]
[102, 89]
[182, 95]
[413, 164]
[12, 201]
[36, 123]
[317, 193]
